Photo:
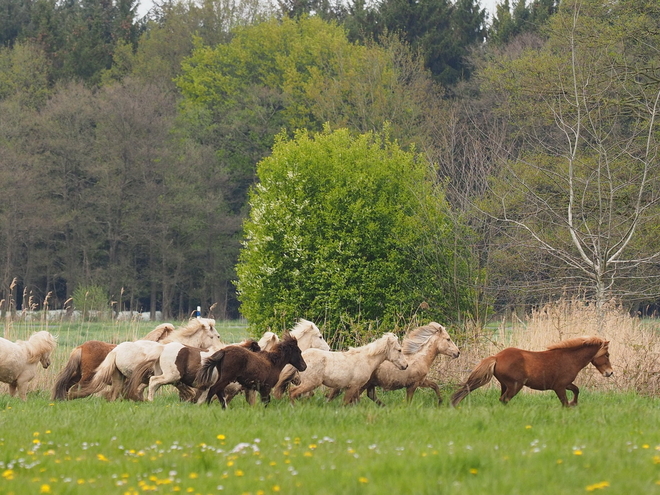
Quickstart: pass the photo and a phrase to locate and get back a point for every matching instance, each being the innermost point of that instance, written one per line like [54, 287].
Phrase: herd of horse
[193, 359]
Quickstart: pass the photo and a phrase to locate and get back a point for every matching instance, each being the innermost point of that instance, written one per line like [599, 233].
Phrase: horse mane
[587, 340]
[301, 328]
[374, 347]
[286, 342]
[159, 333]
[39, 343]
[190, 329]
[418, 337]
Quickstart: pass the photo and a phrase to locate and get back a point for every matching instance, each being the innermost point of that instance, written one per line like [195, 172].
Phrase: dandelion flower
[221, 437]
[598, 486]
[193, 476]
[101, 458]
[8, 474]
[577, 452]
[45, 489]
[362, 479]
[474, 471]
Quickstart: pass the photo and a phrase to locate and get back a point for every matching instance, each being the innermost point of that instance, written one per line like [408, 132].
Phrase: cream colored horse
[123, 359]
[19, 360]
[348, 370]
[420, 347]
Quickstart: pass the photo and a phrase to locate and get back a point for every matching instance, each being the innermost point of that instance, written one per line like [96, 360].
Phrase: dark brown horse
[253, 370]
[554, 369]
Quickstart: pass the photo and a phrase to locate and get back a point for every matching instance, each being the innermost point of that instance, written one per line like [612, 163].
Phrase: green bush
[348, 230]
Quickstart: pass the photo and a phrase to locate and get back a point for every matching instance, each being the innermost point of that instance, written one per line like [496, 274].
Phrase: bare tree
[583, 190]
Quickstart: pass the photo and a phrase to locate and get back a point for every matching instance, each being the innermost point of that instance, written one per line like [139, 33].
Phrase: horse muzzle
[608, 373]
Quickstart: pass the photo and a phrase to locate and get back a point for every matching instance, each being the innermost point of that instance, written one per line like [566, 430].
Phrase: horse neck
[582, 355]
[424, 357]
[377, 353]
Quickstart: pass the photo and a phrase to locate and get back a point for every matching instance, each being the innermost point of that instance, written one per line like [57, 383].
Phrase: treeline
[128, 146]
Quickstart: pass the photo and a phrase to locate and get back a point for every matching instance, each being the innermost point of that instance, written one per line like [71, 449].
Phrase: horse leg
[352, 395]
[576, 391]
[251, 396]
[332, 394]
[509, 391]
[264, 392]
[12, 388]
[426, 383]
[371, 393]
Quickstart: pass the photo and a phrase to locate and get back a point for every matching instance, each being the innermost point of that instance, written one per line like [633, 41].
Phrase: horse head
[267, 341]
[289, 344]
[395, 352]
[45, 361]
[444, 343]
[602, 360]
[309, 336]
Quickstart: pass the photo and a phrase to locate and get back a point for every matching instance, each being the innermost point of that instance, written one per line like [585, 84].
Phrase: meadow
[610, 443]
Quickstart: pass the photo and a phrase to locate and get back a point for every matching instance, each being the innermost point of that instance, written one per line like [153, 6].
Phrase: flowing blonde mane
[40, 344]
[166, 333]
[303, 327]
[418, 337]
[587, 340]
[374, 348]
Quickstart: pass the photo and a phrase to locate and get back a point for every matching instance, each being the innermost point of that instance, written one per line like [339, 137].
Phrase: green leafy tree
[348, 229]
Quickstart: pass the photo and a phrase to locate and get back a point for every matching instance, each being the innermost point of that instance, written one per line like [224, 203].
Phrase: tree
[581, 199]
[348, 229]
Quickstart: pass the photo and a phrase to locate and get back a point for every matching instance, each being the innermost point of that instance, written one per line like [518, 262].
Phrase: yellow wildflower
[362, 479]
[45, 489]
[598, 486]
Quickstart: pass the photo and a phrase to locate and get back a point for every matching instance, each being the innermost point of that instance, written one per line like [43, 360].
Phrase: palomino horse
[19, 360]
[420, 347]
[349, 370]
[177, 365]
[253, 370]
[554, 369]
[120, 362]
[85, 358]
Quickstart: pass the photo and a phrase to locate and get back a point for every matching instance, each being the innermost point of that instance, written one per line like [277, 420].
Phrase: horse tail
[479, 377]
[141, 374]
[204, 378]
[102, 376]
[69, 375]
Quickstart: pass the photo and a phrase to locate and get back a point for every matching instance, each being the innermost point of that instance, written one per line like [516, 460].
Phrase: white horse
[120, 362]
[348, 370]
[19, 360]
[420, 347]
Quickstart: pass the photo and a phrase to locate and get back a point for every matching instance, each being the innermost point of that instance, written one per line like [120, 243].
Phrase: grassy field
[610, 443]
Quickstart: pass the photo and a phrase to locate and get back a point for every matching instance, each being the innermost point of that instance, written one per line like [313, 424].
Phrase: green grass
[610, 443]
[532, 445]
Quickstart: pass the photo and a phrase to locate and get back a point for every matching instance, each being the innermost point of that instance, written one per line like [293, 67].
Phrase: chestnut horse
[253, 370]
[120, 361]
[554, 369]
[84, 359]
[19, 360]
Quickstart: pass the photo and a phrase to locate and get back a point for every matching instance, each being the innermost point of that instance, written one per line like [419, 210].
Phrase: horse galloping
[84, 359]
[120, 362]
[420, 347]
[253, 370]
[178, 365]
[552, 369]
[348, 370]
[19, 360]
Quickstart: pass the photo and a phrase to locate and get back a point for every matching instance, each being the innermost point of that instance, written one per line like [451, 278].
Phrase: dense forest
[129, 146]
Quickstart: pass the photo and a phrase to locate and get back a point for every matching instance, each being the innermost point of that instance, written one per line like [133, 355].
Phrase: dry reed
[634, 344]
